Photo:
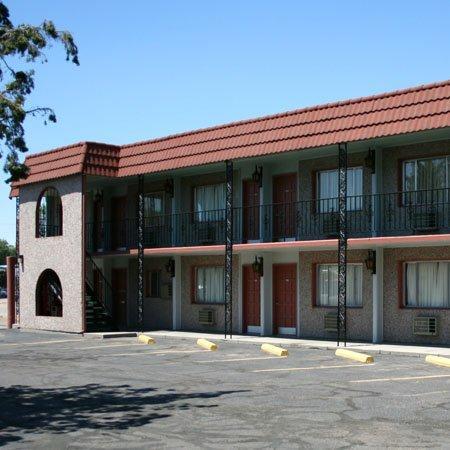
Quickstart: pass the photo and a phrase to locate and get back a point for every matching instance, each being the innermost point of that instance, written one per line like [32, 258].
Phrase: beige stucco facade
[63, 254]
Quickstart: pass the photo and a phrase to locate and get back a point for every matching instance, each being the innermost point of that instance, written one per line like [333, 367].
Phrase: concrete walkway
[289, 342]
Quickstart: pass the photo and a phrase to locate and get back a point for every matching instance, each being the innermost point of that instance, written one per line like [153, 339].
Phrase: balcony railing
[406, 213]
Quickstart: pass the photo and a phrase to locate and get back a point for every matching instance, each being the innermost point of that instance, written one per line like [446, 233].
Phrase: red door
[251, 296]
[284, 298]
[250, 202]
[284, 198]
[118, 222]
[119, 288]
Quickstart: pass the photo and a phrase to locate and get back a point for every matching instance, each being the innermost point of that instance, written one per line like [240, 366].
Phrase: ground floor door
[251, 294]
[284, 298]
[119, 287]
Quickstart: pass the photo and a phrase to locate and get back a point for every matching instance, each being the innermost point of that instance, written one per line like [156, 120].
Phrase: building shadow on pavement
[27, 410]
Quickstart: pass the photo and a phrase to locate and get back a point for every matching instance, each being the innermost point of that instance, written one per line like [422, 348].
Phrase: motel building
[133, 237]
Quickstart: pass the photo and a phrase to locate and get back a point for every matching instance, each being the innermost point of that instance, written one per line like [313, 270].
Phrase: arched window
[49, 295]
[49, 213]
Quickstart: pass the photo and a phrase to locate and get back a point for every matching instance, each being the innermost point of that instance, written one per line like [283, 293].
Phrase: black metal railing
[398, 213]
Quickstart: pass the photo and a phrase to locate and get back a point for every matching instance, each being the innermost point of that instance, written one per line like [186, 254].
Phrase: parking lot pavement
[62, 391]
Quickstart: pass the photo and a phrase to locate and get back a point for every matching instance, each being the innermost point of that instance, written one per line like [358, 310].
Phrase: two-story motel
[79, 239]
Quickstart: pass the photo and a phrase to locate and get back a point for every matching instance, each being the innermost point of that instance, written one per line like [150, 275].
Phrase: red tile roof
[416, 109]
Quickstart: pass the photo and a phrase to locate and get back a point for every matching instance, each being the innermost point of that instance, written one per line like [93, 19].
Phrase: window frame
[403, 285]
[319, 200]
[148, 283]
[195, 212]
[38, 234]
[415, 161]
[160, 194]
[194, 278]
[316, 284]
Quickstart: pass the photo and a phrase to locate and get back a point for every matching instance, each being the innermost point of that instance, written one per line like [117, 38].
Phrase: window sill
[426, 308]
[335, 307]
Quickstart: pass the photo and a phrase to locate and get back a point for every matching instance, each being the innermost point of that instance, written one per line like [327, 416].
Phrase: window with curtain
[327, 187]
[429, 176]
[209, 285]
[427, 284]
[153, 204]
[153, 284]
[209, 202]
[328, 285]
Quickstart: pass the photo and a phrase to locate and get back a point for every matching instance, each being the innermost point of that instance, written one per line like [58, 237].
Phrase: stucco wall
[398, 321]
[157, 311]
[189, 310]
[393, 155]
[359, 320]
[63, 254]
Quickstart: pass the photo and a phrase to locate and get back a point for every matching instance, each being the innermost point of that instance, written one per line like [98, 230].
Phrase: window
[428, 174]
[327, 187]
[328, 285]
[428, 284]
[209, 285]
[49, 214]
[153, 284]
[209, 202]
[49, 295]
[153, 204]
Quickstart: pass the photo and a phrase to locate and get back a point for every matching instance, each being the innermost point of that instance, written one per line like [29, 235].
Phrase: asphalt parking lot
[61, 391]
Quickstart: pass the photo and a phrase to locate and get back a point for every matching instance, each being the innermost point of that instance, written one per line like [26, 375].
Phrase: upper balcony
[390, 214]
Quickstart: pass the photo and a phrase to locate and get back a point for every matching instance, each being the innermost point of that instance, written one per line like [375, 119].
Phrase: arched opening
[49, 295]
[49, 213]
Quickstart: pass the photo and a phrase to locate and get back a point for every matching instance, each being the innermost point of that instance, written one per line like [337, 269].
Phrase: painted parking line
[287, 369]
[15, 344]
[381, 380]
[158, 353]
[239, 359]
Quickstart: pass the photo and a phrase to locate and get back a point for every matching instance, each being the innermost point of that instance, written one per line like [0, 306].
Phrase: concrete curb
[145, 339]
[355, 356]
[208, 345]
[438, 361]
[274, 350]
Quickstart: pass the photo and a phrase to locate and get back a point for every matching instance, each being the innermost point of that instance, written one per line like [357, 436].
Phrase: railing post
[342, 246]
[140, 247]
[229, 251]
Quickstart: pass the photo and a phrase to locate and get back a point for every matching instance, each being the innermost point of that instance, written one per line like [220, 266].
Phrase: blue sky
[151, 68]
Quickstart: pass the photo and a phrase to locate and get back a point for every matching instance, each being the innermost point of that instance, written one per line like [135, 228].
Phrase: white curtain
[328, 189]
[210, 202]
[328, 285]
[427, 284]
[210, 285]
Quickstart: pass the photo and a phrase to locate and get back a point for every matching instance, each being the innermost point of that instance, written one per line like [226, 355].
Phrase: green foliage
[25, 42]
[6, 250]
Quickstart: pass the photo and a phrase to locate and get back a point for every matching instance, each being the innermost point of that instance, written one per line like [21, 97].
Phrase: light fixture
[258, 266]
[369, 160]
[170, 267]
[168, 187]
[371, 262]
[257, 175]
[98, 196]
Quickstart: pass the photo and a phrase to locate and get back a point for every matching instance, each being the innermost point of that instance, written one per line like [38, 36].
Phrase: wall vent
[206, 317]
[425, 326]
[330, 322]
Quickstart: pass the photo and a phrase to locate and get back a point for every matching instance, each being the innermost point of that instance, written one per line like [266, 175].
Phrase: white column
[176, 294]
[266, 296]
[377, 299]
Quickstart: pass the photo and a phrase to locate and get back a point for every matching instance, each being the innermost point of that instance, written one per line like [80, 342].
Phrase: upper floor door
[118, 222]
[284, 198]
[250, 203]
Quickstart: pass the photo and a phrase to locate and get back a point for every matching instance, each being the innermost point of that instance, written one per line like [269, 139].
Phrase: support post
[229, 251]
[377, 298]
[10, 285]
[342, 246]
[17, 266]
[140, 254]
[176, 294]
